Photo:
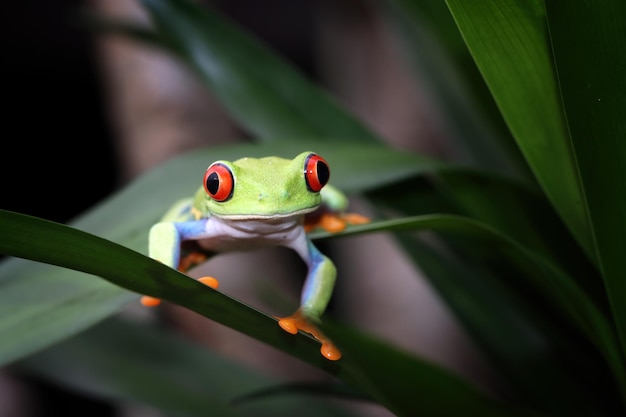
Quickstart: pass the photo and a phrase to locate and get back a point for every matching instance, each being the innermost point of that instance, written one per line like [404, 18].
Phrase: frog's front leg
[316, 294]
[164, 245]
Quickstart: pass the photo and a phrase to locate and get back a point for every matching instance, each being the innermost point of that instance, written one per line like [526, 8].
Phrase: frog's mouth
[275, 217]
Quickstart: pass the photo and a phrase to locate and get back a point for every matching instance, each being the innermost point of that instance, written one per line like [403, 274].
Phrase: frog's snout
[264, 197]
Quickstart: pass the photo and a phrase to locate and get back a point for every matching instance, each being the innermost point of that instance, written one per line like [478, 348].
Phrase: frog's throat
[269, 217]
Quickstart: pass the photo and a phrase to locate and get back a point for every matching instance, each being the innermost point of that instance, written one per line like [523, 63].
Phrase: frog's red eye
[316, 172]
[219, 182]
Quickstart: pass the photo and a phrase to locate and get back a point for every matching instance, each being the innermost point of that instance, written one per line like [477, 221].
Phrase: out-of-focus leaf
[45, 304]
[509, 42]
[259, 89]
[590, 55]
[41, 304]
[142, 364]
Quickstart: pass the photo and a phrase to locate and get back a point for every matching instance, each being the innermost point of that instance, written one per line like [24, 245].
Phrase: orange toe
[210, 282]
[355, 218]
[148, 301]
[330, 351]
[332, 223]
[289, 325]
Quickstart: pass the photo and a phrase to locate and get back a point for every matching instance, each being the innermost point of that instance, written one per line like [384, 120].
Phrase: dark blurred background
[57, 156]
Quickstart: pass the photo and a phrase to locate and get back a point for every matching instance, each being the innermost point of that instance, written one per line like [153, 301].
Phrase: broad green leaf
[590, 62]
[259, 89]
[139, 363]
[133, 271]
[509, 42]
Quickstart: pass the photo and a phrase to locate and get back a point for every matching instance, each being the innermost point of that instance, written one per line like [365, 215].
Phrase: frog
[257, 202]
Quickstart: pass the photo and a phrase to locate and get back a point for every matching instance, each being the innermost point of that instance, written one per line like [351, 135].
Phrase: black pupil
[323, 174]
[213, 183]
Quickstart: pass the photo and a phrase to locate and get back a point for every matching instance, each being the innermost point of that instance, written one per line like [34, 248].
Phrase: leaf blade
[510, 45]
[590, 64]
[259, 89]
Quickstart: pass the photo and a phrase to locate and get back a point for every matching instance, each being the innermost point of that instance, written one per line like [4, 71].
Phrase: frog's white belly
[231, 235]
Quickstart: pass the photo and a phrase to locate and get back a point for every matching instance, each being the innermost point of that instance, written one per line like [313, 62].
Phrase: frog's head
[265, 188]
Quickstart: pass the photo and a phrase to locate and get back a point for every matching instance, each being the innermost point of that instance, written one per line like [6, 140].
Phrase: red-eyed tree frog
[251, 203]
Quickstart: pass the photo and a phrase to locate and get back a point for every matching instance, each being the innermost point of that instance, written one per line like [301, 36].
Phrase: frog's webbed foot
[298, 321]
[334, 222]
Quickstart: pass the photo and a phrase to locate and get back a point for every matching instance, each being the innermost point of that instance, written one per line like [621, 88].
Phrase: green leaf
[260, 90]
[590, 63]
[510, 45]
